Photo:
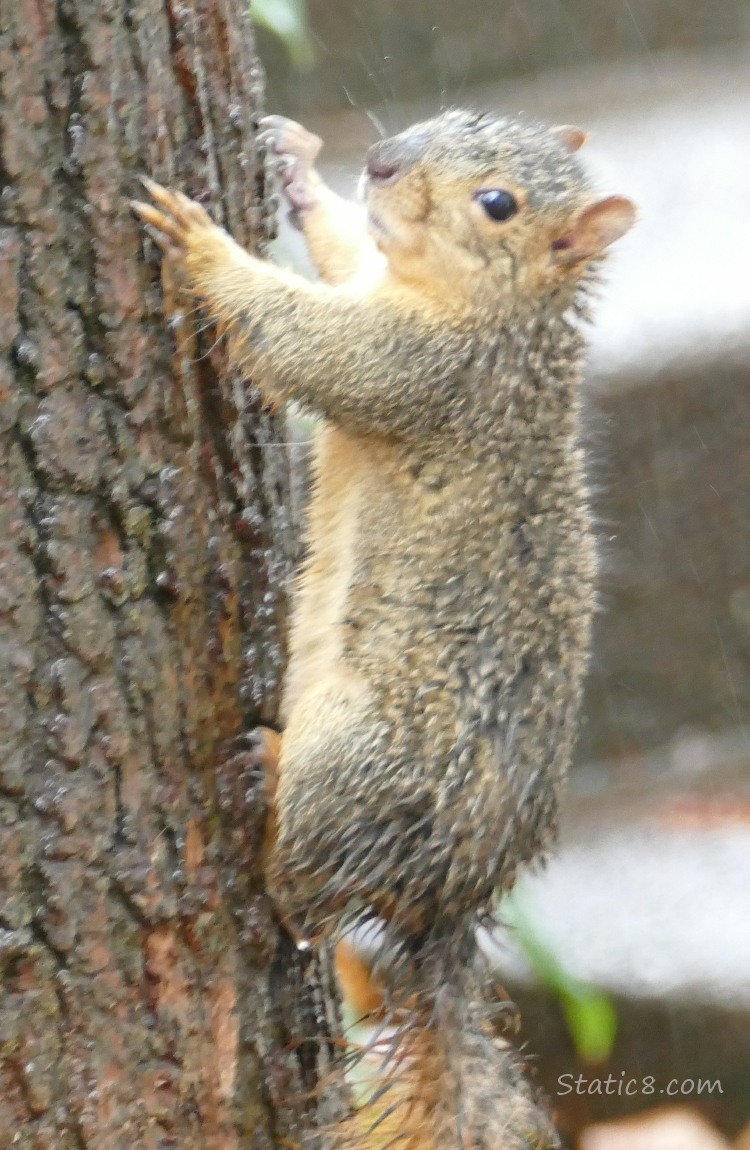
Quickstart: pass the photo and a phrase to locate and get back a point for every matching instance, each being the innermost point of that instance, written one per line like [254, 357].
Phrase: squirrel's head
[466, 198]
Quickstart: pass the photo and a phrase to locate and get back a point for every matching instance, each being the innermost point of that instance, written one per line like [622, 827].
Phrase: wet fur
[442, 627]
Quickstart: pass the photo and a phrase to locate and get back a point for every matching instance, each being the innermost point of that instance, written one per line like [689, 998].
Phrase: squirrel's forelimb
[334, 228]
[291, 332]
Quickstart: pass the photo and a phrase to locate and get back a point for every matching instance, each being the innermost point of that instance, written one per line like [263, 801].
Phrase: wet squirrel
[442, 628]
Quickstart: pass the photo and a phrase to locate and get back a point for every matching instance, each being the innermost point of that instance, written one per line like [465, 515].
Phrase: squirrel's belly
[316, 639]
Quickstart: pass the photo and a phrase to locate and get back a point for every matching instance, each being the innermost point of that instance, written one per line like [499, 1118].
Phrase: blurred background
[630, 954]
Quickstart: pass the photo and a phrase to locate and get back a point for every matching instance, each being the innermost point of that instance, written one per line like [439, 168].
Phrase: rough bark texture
[144, 542]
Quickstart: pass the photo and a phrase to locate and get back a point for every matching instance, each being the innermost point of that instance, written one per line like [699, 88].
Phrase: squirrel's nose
[390, 159]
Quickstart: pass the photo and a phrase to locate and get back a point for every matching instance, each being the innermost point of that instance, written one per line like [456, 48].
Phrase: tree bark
[148, 996]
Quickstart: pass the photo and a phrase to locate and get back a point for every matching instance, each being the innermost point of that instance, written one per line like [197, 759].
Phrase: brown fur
[442, 627]
[443, 1080]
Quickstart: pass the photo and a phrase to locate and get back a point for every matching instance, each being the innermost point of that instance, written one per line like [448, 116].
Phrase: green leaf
[592, 1022]
[590, 1015]
[287, 19]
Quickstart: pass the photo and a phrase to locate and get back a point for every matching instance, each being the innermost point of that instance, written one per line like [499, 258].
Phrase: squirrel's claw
[292, 151]
[172, 221]
[164, 231]
[287, 137]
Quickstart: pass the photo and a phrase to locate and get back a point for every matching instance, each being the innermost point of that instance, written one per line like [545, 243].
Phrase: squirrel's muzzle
[389, 160]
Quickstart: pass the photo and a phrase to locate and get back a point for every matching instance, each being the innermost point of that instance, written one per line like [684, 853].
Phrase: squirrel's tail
[429, 1073]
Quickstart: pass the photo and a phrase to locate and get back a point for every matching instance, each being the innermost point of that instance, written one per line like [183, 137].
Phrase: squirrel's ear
[573, 138]
[594, 230]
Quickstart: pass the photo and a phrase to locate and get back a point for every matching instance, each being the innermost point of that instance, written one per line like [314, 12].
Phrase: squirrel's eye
[498, 204]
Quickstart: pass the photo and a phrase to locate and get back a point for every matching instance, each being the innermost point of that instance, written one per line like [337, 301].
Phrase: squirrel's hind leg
[264, 746]
[345, 850]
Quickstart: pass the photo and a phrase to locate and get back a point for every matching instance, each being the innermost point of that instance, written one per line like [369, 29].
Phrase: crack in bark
[41, 937]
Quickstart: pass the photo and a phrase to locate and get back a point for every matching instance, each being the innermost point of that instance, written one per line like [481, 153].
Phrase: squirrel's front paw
[186, 233]
[293, 151]
[177, 222]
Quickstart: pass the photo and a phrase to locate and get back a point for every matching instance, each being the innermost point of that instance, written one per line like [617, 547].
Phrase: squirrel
[442, 628]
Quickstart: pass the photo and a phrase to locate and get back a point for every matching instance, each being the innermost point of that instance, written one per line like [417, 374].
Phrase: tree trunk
[148, 996]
